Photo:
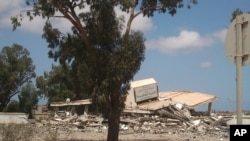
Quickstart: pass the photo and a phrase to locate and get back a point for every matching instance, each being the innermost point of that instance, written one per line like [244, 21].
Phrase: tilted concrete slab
[189, 98]
[155, 105]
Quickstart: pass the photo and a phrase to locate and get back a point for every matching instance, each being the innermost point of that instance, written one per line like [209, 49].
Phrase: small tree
[16, 69]
[28, 99]
[13, 106]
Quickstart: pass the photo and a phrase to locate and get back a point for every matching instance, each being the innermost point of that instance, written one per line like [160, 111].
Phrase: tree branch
[133, 15]
[79, 25]
[76, 22]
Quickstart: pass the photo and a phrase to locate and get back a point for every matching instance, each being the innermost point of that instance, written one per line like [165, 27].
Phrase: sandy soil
[184, 136]
[172, 134]
[38, 132]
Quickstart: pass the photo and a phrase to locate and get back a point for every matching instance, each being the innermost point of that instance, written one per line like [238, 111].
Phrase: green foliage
[13, 106]
[56, 85]
[28, 99]
[16, 69]
[47, 9]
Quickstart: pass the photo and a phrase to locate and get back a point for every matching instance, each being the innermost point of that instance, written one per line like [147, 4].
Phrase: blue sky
[184, 52]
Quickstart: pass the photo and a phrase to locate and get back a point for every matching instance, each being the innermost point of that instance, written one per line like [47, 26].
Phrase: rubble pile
[172, 119]
[146, 110]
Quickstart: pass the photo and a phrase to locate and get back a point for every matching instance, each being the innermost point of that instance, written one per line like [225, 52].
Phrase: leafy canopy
[16, 69]
[28, 99]
[101, 60]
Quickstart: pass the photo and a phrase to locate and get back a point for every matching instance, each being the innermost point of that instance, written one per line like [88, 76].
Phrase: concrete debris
[170, 120]
[177, 123]
[146, 110]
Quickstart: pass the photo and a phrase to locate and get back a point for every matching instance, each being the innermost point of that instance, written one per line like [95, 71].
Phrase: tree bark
[114, 118]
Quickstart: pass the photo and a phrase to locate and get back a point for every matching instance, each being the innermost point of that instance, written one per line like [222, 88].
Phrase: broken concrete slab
[141, 90]
[189, 98]
[151, 100]
[154, 105]
[72, 104]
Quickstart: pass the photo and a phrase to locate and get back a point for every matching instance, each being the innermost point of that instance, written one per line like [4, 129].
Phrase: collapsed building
[144, 103]
[144, 97]
[147, 110]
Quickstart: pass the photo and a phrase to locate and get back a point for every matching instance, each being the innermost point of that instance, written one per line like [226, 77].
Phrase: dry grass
[16, 132]
[27, 132]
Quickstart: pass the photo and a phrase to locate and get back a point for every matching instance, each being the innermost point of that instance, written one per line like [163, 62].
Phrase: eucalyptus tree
[103, 59]
[57, 85]
[16, 69]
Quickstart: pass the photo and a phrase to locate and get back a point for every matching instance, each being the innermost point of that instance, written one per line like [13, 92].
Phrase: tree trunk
[3, 105]
[114, 118]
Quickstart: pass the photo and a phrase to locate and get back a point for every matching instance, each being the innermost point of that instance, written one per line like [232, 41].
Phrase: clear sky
[184, 52]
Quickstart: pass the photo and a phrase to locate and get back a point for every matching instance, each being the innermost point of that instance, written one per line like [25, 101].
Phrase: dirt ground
[171, 134]
[133, 128]
[38, 132]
